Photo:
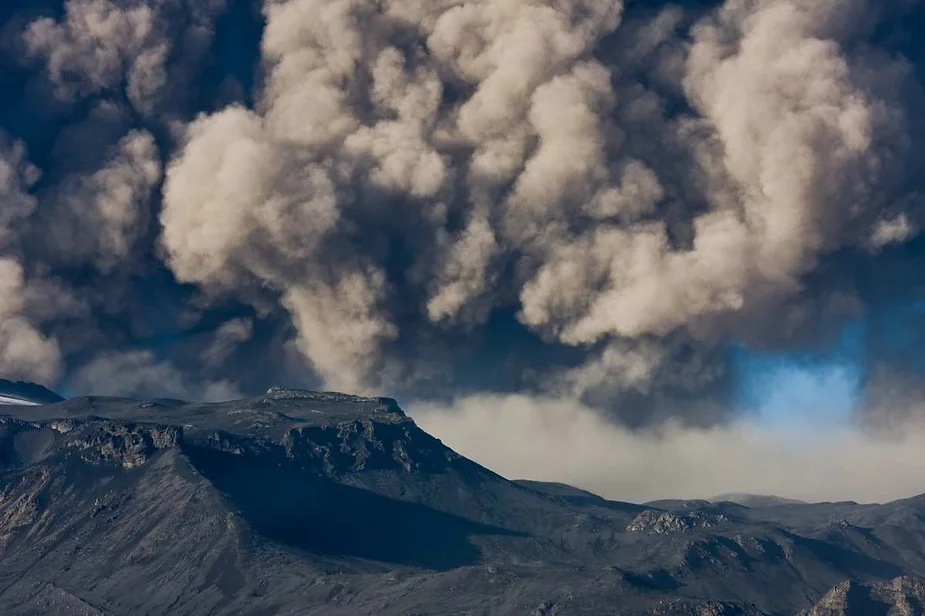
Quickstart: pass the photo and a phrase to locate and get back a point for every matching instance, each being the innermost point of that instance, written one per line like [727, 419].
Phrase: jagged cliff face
[94, 441]
[324, 503]
[327, 433]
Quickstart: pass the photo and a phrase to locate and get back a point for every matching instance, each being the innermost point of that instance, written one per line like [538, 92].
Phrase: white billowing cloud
[414, 167]
[24, 351]
[570, 162]
[102, 45]
[141, 374]
[130, 65]
[560, 440]
[644, 286]
[242, 208]
[803, 138]
[635, 196]
[100, 217]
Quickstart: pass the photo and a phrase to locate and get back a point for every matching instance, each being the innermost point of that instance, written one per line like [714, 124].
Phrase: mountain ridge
[326, 503]
[23, 392]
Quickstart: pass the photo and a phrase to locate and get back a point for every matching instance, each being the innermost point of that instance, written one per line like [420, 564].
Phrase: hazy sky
[561, 441]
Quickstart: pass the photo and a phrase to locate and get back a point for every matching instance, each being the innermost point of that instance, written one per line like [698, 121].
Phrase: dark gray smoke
[592, 201]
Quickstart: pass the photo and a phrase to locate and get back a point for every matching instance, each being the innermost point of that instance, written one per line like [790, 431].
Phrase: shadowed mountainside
[322, 503]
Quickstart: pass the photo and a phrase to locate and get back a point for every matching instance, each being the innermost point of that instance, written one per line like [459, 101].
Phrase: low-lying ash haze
[647, 248]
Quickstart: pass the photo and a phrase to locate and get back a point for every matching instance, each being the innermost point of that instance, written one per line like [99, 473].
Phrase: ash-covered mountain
[22, 393]
[319, 503]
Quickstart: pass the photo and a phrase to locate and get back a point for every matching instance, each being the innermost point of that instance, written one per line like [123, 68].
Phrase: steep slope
[289, 501]
[325, 503]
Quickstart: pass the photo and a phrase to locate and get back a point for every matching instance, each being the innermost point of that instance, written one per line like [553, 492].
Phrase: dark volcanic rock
[903, 596]
[322, 503]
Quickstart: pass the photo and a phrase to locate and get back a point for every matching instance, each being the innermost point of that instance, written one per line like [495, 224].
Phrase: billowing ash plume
[114, 80]
[629, 194]
[25, 351]
[140, 48]
[488, 130]
[112, 203]
[358, 138]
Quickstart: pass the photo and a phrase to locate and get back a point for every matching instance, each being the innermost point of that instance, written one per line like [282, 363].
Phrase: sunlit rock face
[664, 523]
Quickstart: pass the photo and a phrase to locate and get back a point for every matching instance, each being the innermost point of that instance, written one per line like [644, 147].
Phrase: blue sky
[817, 388]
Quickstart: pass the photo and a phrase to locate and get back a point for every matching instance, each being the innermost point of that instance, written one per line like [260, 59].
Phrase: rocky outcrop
[126, 444]
[382, 443]
[703, 608]
[367, 445]
[903, 596]
[665, 522]
[94, 440]
[377, 436]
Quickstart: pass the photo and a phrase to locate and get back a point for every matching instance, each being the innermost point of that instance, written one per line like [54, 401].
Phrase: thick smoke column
[633, 192]
[490, 131]
[356, 132]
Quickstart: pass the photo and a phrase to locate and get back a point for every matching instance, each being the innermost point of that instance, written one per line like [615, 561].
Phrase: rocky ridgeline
[348, 446]
[378, 405]
[379, 436]
[702, 608]
[368, 445]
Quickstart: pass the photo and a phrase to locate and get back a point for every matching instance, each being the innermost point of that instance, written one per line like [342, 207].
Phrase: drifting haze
[572, 200]
[552, 440]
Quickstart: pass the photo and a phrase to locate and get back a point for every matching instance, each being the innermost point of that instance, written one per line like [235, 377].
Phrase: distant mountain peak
[755, 500]
[25, 393]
